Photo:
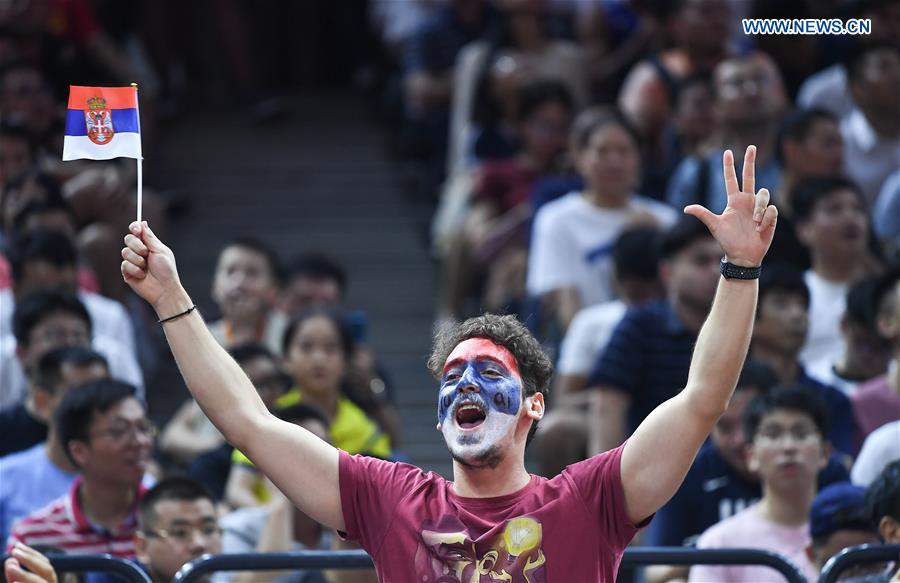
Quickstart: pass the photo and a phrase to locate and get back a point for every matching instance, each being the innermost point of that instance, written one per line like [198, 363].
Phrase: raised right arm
[304, 467]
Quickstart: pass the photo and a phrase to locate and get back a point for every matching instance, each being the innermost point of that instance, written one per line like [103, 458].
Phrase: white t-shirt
[881, 447]
[824, 372]
[572, 244]
[587, 336]
[827, 304]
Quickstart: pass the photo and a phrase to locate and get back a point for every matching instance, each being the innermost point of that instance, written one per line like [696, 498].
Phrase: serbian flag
[102, 123]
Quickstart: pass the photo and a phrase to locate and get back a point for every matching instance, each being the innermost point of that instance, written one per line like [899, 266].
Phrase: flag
[102, 123]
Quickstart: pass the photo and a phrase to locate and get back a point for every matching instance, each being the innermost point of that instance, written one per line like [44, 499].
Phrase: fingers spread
[136, 245]
[749, 181]
[731, 183]
[770, 217]
[706, 216]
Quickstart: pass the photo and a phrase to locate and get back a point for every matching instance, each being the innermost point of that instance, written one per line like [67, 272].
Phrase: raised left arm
[658, 455]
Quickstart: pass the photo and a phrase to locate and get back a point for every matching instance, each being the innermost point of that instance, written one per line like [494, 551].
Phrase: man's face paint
[479, 399]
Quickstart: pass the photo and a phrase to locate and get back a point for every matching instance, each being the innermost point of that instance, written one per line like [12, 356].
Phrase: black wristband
[732, 271]
[176, 316]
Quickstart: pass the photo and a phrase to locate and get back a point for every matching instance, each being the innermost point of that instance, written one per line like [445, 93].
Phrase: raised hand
[148, 266]
[746, 226]
[39, 568]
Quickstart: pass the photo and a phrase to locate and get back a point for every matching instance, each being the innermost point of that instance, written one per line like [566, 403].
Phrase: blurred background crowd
[343, 177]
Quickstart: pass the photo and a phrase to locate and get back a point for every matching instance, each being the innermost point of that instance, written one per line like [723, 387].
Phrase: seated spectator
[635, 281]
[881, 447]
[782, 322]
[42, 322]
[172, 515]
[786, 431]
[278, 526]
[36, 476]
[570, 260]
[490, 248]
[839, 518]
[883, 497]
[867, 354]
[719, 483]
[105, 432]
[749, 104]
[317, 280]
[872, 129]
[647, 358]
[213, 467]
[245, 287]
[831, 220]
[809, 146]
[28, 565]
[878, 401]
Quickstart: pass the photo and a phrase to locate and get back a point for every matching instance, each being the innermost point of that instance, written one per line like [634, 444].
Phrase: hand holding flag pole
[103, 123]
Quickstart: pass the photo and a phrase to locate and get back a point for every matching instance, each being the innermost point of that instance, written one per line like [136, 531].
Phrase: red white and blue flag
[102, 123]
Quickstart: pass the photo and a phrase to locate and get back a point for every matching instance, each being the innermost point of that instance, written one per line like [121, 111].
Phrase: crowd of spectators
[559, 140]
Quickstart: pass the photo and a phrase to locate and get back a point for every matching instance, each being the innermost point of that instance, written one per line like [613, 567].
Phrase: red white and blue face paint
[479, 399]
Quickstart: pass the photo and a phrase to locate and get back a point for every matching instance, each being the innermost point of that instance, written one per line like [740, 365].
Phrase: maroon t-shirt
[569, 528]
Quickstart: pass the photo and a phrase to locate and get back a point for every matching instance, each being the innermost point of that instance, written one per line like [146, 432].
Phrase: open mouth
[469, 416]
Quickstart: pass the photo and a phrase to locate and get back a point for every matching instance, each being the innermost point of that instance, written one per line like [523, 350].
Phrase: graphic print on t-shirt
[447, 554]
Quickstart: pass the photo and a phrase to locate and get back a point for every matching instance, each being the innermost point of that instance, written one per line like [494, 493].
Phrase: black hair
[883, 299]
[856, 57]
[681, 235]
[345, 336]
[14, 129]
[798, 398]
[883, 495]
[249, 351]
[76, 412]
[534, 366]
[636, 253]
[862, 305]
[258, 246]
[586, 126]
[36, 307]
[809, 192]
[783, 277]
[302, 412]
[314, 265]
[756, 375]
[797, 126]
[49, 368]
[540, 93]
[39, 207]
[40, 245]
[46, 183]
[176, 488]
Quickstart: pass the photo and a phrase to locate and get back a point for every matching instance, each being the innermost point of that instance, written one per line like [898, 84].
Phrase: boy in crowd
[786, 430]
[839, 518]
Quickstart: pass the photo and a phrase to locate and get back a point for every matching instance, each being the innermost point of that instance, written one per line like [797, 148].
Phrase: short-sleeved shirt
[587, 336]
[28, 481]
[881, 448]
[874, 404]
[21, 431]
[573, 527]
[749, 530]
[63, 524]
[572, 243]
[713, 491]
[648, 357]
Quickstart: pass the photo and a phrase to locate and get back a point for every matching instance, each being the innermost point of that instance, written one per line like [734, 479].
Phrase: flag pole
[140, 160]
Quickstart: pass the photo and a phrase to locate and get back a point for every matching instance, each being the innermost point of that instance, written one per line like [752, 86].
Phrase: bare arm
[302, 466]
[608, 416]
[180, 440]
[564, 303]
[651, 474]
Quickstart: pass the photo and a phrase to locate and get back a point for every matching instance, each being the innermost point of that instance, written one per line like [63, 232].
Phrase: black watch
[732, 271]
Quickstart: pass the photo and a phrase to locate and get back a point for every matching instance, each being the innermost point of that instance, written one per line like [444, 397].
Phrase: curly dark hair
[534, 365]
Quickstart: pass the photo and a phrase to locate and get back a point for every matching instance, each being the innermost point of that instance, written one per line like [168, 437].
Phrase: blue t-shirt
[648, 357]
[711, 492]
[28, 481]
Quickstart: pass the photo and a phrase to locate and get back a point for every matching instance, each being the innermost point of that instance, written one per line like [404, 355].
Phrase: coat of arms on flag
[98, 119]
[102, 123]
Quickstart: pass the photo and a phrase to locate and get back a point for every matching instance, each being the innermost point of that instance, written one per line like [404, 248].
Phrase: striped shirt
[63, 525]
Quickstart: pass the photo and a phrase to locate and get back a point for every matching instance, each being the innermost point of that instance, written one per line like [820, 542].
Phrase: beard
[488, 459]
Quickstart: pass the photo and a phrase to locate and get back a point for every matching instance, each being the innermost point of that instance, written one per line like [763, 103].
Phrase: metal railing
[96, 563]
[858, 554]
[360, 560]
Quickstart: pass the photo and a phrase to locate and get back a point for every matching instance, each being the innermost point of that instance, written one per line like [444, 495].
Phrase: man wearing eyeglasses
[178, 524]
[786, 431]
[104, 431]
